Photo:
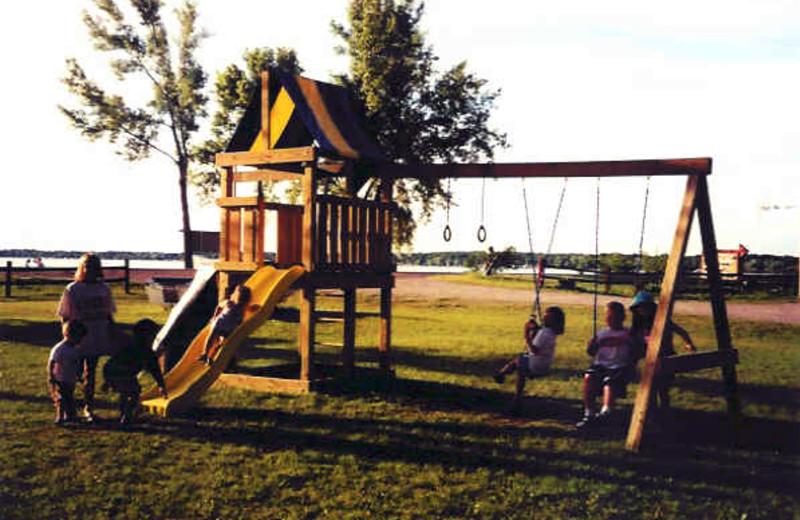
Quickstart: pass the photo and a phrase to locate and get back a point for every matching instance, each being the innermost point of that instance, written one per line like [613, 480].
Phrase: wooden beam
[696, 166]
[700, 361]
[663, 314]
[253, 202]
[307, 334]
[236, 266]
[716, 292]
[266, 105]
[265, 384]
[309, 233]
[385, 339]
[266, 174]
[275, 156]
[349, 332]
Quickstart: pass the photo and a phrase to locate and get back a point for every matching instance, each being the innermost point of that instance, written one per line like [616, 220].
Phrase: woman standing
[89, 299]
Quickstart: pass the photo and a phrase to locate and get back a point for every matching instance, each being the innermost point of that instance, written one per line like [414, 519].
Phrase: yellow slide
[189, 378]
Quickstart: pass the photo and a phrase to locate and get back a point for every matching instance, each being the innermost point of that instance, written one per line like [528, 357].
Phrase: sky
[580, 80]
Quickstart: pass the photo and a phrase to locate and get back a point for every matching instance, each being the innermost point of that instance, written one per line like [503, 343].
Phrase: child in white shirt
[63, 368]
[541, 347]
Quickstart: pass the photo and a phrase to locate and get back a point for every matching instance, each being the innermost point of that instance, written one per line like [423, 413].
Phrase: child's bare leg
[508, 368]
[589, 392]
[520, 390]
[608, 399]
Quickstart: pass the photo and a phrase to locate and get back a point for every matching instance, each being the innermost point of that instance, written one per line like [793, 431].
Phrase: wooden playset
[301, 129]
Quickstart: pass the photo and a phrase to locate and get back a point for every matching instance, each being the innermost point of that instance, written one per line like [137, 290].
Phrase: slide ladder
[189, 378]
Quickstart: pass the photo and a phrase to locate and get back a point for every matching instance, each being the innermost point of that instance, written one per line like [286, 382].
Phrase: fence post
[127, 276]
[8, 278]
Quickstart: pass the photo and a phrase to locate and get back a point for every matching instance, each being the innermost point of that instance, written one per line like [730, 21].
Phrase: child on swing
[227, 317]
[611, 368]
[536, 361]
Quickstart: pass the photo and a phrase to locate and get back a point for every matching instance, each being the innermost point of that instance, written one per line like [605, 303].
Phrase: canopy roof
[305, 112]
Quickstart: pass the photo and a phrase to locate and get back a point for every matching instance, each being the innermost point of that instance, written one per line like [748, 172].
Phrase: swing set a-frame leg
[695, 198]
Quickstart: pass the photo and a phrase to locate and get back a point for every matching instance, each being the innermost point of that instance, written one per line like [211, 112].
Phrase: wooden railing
[353, 234]
[348, 234]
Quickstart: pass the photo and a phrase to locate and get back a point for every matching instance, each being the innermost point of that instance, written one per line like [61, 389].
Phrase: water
[200, 261]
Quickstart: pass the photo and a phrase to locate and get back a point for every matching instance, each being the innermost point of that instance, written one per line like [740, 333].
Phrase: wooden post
[226, 190]
[385, 340]
[663, 314]
[266, 106]
[716, 291]
[8, 278]
[348, 349]
[307, 333]
[127, 269]
[309, 185]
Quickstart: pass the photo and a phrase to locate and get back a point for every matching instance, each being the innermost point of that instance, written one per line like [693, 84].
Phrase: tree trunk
[188, 261]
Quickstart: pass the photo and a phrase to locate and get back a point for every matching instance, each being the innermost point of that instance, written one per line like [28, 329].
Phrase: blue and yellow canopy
[305, 112]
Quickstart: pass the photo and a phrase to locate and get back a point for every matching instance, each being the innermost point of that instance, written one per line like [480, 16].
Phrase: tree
[144, 50]
[416, 114]
[233, 90]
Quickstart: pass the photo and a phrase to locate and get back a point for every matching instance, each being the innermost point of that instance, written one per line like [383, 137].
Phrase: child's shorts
[120, 379]
[524, 365]
[63, 392]
[615, 378]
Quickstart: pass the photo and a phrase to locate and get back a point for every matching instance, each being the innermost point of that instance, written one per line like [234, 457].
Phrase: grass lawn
[519, 281]
[432, 444]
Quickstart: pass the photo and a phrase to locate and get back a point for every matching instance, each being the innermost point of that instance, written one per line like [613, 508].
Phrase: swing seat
[678, 363]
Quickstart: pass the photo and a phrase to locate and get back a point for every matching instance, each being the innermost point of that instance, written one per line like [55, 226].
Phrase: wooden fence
[688, 283]
[22, 276]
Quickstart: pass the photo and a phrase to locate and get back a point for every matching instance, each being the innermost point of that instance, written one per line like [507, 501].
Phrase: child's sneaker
[499, 378]
[603, 417]
[586, 420]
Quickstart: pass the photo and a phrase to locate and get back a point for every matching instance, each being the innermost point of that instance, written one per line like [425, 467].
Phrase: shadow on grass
[475, 445]
[40, 333]
[757, 394]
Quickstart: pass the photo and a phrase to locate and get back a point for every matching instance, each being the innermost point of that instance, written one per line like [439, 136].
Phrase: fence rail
[22, 276]
[784, 283]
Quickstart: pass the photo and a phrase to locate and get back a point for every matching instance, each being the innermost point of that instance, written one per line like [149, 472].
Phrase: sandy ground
[410, 285]
[422, 286]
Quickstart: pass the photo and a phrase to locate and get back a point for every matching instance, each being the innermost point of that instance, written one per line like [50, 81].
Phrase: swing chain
[482, 229]
[596, 256]
[639, 263]
[447, 234]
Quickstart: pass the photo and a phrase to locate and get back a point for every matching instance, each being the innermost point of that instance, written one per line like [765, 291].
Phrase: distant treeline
[105, 255]
[616, 262]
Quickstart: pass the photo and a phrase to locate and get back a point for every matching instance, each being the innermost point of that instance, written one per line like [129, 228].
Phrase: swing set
[695, 200]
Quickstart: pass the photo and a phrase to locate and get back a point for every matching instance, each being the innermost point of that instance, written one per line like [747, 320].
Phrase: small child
[541, 345]
[611, 367]
[121, 371]
[63, 369]
[643, 313]
[228, 315]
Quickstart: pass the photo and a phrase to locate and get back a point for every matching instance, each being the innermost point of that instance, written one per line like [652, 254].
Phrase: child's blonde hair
[89, 268]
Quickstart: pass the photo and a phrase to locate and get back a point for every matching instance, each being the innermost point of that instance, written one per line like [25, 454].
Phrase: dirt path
[423, 286]
[413, 285]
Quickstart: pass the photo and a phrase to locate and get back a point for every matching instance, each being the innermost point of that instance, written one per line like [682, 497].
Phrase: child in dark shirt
[121, 371]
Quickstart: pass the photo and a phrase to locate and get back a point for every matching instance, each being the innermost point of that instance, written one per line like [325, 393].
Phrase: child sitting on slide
[228, 315]
[541, 346]
[121, 371]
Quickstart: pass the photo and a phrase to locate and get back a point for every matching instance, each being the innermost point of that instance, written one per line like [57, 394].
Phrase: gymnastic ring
[447, 234]
[481, 234]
